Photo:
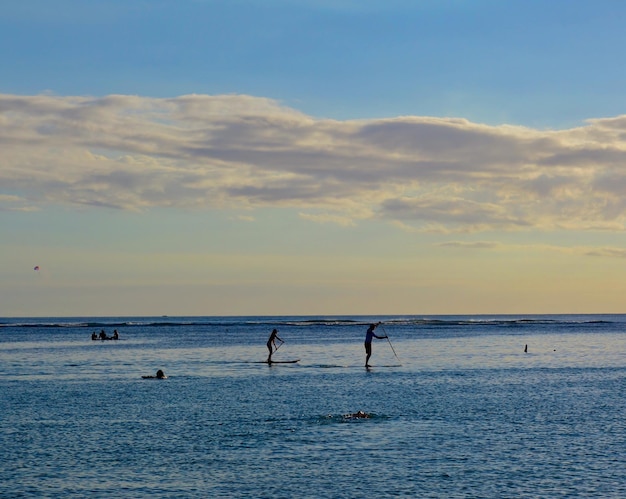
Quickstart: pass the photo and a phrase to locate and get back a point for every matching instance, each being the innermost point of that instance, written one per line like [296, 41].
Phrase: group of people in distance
[103, 335]
[116, 336]
[369, 335]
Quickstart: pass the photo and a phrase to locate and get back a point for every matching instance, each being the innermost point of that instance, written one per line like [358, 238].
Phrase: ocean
[455, 407]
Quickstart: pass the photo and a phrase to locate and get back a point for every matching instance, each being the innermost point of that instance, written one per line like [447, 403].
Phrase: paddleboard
[360, 366]
[278, 361]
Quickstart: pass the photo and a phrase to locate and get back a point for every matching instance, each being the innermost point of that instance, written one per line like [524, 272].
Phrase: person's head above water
[160, 374]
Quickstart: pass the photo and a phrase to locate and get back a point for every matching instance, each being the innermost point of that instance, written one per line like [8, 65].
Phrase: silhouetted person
[271, 344]
[116, 335]
[368, 342]
[103, 335]
[159, 375]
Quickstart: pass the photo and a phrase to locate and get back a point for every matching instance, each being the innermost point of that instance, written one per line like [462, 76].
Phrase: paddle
[392, 349]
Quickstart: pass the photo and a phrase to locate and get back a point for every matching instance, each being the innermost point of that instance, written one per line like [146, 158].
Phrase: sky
[312, 157]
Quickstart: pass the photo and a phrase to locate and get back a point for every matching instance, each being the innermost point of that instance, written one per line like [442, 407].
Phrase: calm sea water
[461, 411]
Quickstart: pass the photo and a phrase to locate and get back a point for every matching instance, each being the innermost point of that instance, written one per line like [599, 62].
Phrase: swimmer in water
[159, 375]
[357, 415]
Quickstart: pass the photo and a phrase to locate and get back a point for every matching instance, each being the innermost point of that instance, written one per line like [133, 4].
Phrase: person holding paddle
[271, 344]
[368, 342]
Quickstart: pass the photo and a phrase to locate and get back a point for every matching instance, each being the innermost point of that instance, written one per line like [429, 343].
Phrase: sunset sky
[331, 157]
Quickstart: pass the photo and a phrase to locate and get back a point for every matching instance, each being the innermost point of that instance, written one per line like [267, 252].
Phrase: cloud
[606, 252]
[470, 244]
[15, 203]
[214, 152]
[323, 218]
[586, 251]
[245, 218]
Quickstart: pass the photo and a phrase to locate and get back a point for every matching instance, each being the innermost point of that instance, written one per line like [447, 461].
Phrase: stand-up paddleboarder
[368, 342]
[271, 344]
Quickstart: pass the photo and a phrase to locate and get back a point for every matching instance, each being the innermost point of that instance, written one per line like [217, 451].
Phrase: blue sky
[312, 157]
[546, 64]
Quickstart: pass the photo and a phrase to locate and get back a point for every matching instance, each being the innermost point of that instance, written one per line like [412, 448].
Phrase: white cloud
[245, 218]
[323, 218]
[15, 203]
[470, 244]
[213, 152]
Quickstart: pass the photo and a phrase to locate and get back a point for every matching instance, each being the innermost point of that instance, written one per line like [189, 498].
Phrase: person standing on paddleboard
[368, 342]
[271, 344]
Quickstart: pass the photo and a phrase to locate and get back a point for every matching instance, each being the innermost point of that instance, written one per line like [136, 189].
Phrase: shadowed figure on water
[271, 344]
[159, 375]
[368, 342]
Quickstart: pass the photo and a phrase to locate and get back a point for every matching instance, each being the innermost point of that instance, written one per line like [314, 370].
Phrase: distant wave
[44, 324]
[324, 322]
[304, 322]
[99, 325]
[494, 321]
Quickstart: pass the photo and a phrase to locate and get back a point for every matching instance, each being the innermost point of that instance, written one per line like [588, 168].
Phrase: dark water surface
[461, 411]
